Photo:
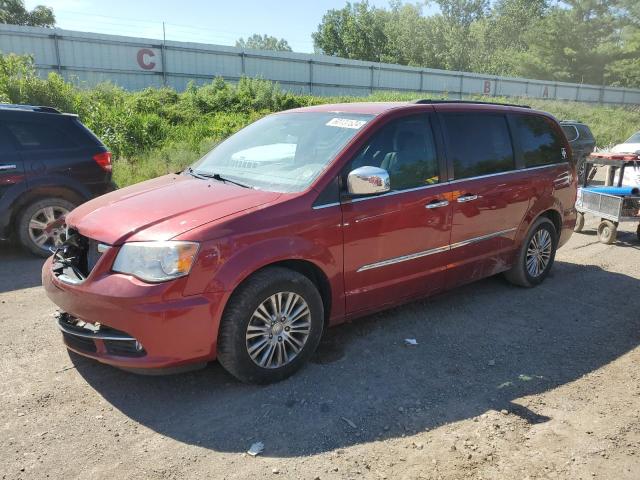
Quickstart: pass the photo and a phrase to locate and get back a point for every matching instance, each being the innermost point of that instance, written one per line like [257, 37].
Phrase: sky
[213, 21]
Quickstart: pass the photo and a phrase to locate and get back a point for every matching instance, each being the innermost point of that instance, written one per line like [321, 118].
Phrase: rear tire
[264, 336]
[40, 225]
[607, 232]
[536, 256]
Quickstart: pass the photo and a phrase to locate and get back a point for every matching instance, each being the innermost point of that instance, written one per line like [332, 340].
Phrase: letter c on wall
[144, 54]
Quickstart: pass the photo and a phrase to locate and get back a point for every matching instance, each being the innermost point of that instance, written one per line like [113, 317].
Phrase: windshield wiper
[215, 176]
[220, 178]
[193, 173]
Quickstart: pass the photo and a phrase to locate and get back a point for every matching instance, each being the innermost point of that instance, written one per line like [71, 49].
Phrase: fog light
[139, 346]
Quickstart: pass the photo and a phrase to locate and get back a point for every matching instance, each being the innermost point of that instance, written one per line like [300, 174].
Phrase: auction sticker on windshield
[345, 123]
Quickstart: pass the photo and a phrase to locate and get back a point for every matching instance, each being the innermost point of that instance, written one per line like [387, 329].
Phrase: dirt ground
[505, 383]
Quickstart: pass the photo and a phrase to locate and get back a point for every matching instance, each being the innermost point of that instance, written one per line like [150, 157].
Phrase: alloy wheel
[539, 252]
[278, 330]
[46, 227]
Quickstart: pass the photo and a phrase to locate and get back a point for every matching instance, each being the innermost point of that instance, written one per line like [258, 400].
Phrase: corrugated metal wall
[136, 63]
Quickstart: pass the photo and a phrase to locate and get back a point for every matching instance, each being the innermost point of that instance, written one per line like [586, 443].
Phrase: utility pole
[164, 55]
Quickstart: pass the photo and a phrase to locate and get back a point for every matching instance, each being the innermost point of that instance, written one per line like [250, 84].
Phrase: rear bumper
[172, 330]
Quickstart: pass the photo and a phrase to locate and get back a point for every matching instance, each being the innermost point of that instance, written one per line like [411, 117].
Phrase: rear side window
[478, 144]
[406, 149]
[541, 144]
[36, 135]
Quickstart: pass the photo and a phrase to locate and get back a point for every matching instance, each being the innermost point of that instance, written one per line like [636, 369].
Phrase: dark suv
[49, 164]
[581, 140]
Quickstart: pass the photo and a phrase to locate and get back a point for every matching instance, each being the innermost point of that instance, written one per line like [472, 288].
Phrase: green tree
[625, 71]
[574, 42]
[264, 42]
[500, 37]
[15, 13]
[409, 36]
[356, 31]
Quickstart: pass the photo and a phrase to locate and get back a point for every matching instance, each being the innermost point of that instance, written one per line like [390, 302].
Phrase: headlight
[156, 261]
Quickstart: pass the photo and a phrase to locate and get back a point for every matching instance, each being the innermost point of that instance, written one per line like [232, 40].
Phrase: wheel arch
[304, 267]
[555, 218]
[34, 194]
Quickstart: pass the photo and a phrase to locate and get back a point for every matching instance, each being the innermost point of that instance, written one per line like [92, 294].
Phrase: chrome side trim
[404, 258]
[425, 253]
[519, 170]
[470, 241]
[397, 192]
[325, 205]
[450, 182]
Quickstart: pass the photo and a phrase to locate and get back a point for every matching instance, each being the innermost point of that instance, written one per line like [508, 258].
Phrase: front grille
[79, 343]
[76, 258]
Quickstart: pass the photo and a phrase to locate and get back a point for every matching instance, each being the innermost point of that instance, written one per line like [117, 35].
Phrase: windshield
[635, 138]
[284, 152]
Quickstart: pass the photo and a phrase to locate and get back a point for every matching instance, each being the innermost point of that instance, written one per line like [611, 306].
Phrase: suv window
[406, 149]
[541, 144]
[6, 143]
[571, 132]
[585, 133]
[479, 144]
[37, 135]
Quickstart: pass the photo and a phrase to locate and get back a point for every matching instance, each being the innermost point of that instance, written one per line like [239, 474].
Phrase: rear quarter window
[571, 132]
[40, 135]
[585, 132]
[478, 144]
[540, 142]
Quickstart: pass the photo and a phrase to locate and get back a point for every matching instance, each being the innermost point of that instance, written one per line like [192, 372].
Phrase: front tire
[40, 225]
[536, 256]
[271, 326]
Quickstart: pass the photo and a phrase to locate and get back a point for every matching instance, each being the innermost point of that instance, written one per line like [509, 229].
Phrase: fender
[541, 205]
[238, 259]
[60, 182]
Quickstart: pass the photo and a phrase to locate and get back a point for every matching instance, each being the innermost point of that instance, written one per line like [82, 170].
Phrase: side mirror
[368, 181]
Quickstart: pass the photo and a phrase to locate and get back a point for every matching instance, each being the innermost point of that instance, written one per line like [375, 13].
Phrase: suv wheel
[41, 225]
[536, 256]
[271, 326]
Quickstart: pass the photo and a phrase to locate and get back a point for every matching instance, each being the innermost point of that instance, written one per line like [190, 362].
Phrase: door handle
[437, 204]
[467, 198]
[8, 167]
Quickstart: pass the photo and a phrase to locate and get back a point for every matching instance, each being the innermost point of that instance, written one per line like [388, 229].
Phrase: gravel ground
[504, 383]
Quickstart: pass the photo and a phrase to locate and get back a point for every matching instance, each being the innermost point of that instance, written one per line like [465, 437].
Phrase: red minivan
[307, 218]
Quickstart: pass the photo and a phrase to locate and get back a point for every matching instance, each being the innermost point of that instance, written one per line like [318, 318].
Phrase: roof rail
[30, 108]
[428, 101]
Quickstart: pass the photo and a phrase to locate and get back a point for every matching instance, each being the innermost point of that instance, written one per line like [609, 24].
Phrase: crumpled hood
[162, 208]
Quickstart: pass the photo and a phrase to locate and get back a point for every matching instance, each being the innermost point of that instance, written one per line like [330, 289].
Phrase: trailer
[613, 204]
